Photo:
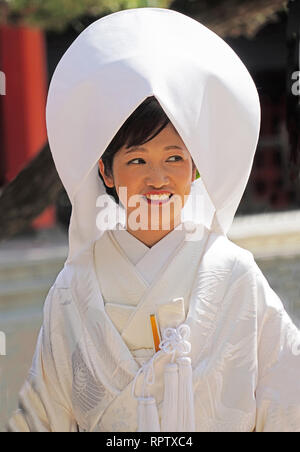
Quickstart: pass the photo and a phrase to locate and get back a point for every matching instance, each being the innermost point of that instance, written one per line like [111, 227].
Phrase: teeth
[157, 197]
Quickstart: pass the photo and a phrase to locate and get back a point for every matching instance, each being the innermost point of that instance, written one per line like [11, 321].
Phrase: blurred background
[34, 208]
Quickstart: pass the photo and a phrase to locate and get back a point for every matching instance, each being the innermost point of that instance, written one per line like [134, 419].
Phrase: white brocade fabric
[244, 348]
[148, 263]
[149, 260]
[124, 299]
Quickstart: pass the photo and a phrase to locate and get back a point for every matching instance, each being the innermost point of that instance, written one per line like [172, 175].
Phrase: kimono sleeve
[42, 403]
[278, 385]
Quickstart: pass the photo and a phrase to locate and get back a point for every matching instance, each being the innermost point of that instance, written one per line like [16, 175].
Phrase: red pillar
[23, 60]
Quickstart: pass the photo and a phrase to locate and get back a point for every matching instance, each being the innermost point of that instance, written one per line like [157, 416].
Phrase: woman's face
[163, 164]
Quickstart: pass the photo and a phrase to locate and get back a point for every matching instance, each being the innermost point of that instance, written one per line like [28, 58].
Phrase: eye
[172, 157]
[178, 157]
[131, 161]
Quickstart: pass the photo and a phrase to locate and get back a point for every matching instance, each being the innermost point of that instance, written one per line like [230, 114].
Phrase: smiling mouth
[158, 199]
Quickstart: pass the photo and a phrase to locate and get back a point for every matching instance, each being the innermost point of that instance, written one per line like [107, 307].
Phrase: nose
[156, 177]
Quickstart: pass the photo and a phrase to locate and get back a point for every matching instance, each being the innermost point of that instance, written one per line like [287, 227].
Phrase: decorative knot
[173, 340]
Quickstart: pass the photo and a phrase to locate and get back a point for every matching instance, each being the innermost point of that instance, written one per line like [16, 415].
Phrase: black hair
[147, 121]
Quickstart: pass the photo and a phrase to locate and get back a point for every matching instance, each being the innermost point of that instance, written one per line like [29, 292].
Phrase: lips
[164, 192]
[161, 197]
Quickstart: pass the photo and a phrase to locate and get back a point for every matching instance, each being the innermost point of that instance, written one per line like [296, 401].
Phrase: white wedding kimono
[245, 349]
[229, 357]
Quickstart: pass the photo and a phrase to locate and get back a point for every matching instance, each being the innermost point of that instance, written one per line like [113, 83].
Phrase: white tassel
[178, 405]
[170, 402]
[186, 412]
[147, 415]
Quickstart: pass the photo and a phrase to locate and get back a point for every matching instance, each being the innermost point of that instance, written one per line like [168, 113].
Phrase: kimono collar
[136, 250]
[199, 81]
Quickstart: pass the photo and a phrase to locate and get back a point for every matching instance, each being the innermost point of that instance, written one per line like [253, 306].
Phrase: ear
[109, 182]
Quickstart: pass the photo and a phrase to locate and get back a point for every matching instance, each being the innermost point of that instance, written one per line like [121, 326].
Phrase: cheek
[127, 179]
[119, 173]
[126, 184]
[186, 178]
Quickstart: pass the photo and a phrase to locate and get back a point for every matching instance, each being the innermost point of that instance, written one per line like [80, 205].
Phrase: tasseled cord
[148, 415]
[186, 412]
[170, 403]
[178, 413]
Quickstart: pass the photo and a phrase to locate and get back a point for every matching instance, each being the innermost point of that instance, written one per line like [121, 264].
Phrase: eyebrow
[139, 148]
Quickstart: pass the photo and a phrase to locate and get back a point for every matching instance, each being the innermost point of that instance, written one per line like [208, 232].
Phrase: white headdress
[201, 84]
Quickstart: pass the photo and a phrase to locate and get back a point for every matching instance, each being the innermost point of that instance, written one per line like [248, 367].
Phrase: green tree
[57, 14]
